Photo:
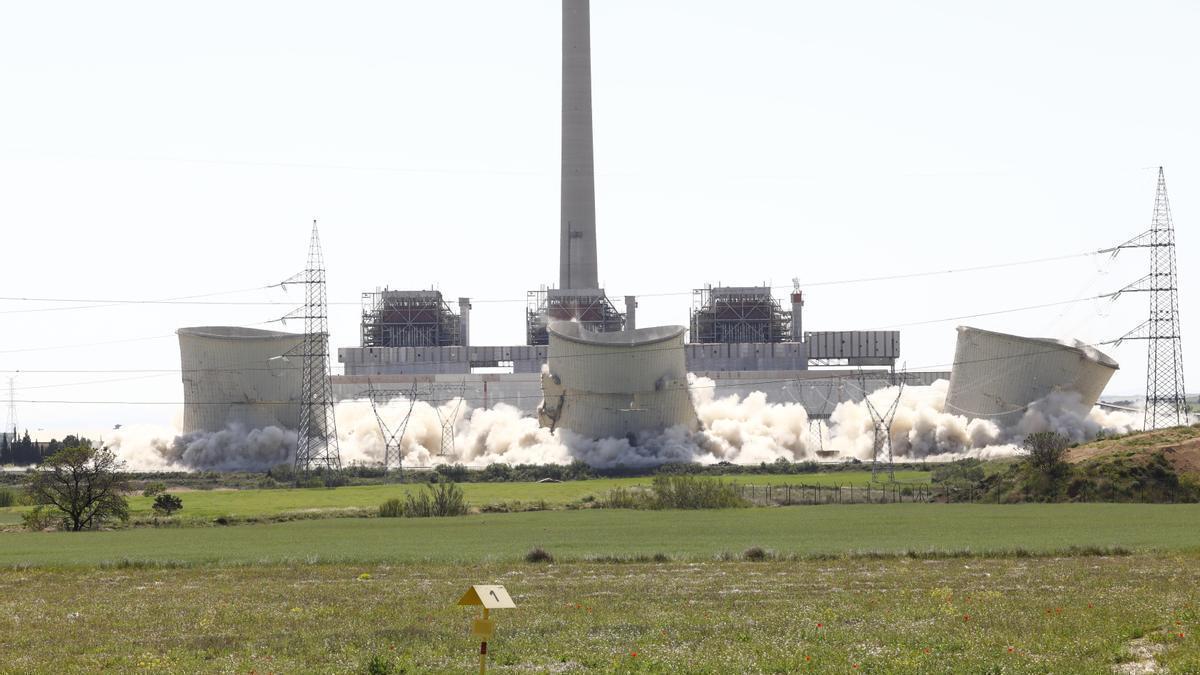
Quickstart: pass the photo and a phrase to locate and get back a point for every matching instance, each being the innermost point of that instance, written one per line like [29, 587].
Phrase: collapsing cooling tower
[239, 376]
[614, 385]
[997, 376]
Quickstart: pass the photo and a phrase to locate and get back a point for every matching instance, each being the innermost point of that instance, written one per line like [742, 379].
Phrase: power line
[193, 300]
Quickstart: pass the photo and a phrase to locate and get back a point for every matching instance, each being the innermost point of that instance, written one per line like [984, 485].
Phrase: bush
[378, 665]
[41, 518]
[392, 508]
[538, 554]
[7, 498]
[689, 492]
[166, 504]
[755, 554]
[152, 489]
[435, 500]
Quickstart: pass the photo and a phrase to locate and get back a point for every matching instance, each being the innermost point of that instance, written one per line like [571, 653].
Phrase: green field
[1059, 615]
[876, 588]
[694, 535]
[209, 504]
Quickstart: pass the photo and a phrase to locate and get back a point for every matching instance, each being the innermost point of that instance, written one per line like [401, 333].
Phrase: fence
[918, 493]
[787, 494]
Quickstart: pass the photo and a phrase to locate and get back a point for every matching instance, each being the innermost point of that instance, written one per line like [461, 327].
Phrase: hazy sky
[157, 150]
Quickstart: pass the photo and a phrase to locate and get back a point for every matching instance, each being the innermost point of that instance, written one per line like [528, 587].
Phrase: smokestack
[797, 316]
[630, 312]
[577, 243]
[464, 319]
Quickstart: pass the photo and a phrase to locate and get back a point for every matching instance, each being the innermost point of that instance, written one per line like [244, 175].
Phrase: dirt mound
[1180, 446]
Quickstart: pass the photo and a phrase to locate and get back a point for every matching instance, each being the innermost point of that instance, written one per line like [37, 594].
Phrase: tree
[166, 504]
[1046, 451]
[1046, 454]
[84, 484]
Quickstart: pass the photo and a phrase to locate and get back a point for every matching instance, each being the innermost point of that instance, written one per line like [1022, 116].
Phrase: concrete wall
[527, 359]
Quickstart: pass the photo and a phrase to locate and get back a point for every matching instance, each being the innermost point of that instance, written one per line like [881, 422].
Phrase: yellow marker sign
[489, 597]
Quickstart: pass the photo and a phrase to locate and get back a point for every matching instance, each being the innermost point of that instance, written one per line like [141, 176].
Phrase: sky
[155, 150]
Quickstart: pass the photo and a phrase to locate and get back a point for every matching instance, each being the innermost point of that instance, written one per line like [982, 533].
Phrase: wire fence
[792, 494]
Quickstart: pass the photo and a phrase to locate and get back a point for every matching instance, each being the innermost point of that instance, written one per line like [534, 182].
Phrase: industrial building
[412, 319]
[997, 376]
[741, 336]
[238, 376]
[617, 384]
[734, 314]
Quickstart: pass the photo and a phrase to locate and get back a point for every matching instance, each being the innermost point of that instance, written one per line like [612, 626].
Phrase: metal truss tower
[881, 422]
[11, 427]
[1166, 397]
[317, 447]
[393, 435]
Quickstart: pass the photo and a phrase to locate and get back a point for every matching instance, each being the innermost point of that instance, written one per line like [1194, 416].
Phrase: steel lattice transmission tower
[11, 427]
[1166, 398]
[317, 446]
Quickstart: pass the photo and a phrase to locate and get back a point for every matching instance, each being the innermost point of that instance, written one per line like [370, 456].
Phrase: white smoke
[742, 430]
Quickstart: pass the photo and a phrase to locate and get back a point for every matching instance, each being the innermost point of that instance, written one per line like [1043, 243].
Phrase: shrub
[754, 554]
[166, 504]
[435, 500]
[392, 508]
[152, 489]
[537, 554]
[626, 498]
[689, 492]
[40, 518]
[378, 665]
[7, 498]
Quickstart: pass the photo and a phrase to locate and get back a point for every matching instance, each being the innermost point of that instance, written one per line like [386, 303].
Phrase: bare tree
[84, 484]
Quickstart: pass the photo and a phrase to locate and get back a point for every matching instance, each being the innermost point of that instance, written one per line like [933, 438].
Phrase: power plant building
[998, 376]
[614, 385]
[239, 376]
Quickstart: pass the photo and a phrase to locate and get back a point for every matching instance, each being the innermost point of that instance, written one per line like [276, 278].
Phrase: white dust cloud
[740, 430]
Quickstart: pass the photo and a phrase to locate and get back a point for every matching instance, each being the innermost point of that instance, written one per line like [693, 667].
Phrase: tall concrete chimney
[464, 320]
[577, 245]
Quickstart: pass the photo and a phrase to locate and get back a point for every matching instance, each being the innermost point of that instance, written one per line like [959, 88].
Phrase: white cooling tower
[997, 376]
[234, 375]
[614, 385]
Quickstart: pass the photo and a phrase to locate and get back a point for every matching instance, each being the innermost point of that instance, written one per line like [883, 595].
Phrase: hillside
[1180, 447]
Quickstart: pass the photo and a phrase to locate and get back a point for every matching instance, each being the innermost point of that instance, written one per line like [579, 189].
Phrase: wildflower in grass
[819, 625]
[927, 650]
[966, 617]
[633, 654]
[1010, 650]
[807, 657]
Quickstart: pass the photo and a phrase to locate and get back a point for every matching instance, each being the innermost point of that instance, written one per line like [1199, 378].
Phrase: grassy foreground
[1062, 615]
[696, 535]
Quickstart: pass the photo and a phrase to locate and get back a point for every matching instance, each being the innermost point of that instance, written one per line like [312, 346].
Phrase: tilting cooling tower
[603, 385]
[997, 376]
[234, 375]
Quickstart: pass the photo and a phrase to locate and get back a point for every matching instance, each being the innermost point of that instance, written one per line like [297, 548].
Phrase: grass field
[209, 504]
[693, 535]
[1064, 615]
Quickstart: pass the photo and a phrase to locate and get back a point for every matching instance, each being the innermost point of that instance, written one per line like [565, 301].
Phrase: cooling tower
[235, 375]
[614, 385]
[997, 376]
